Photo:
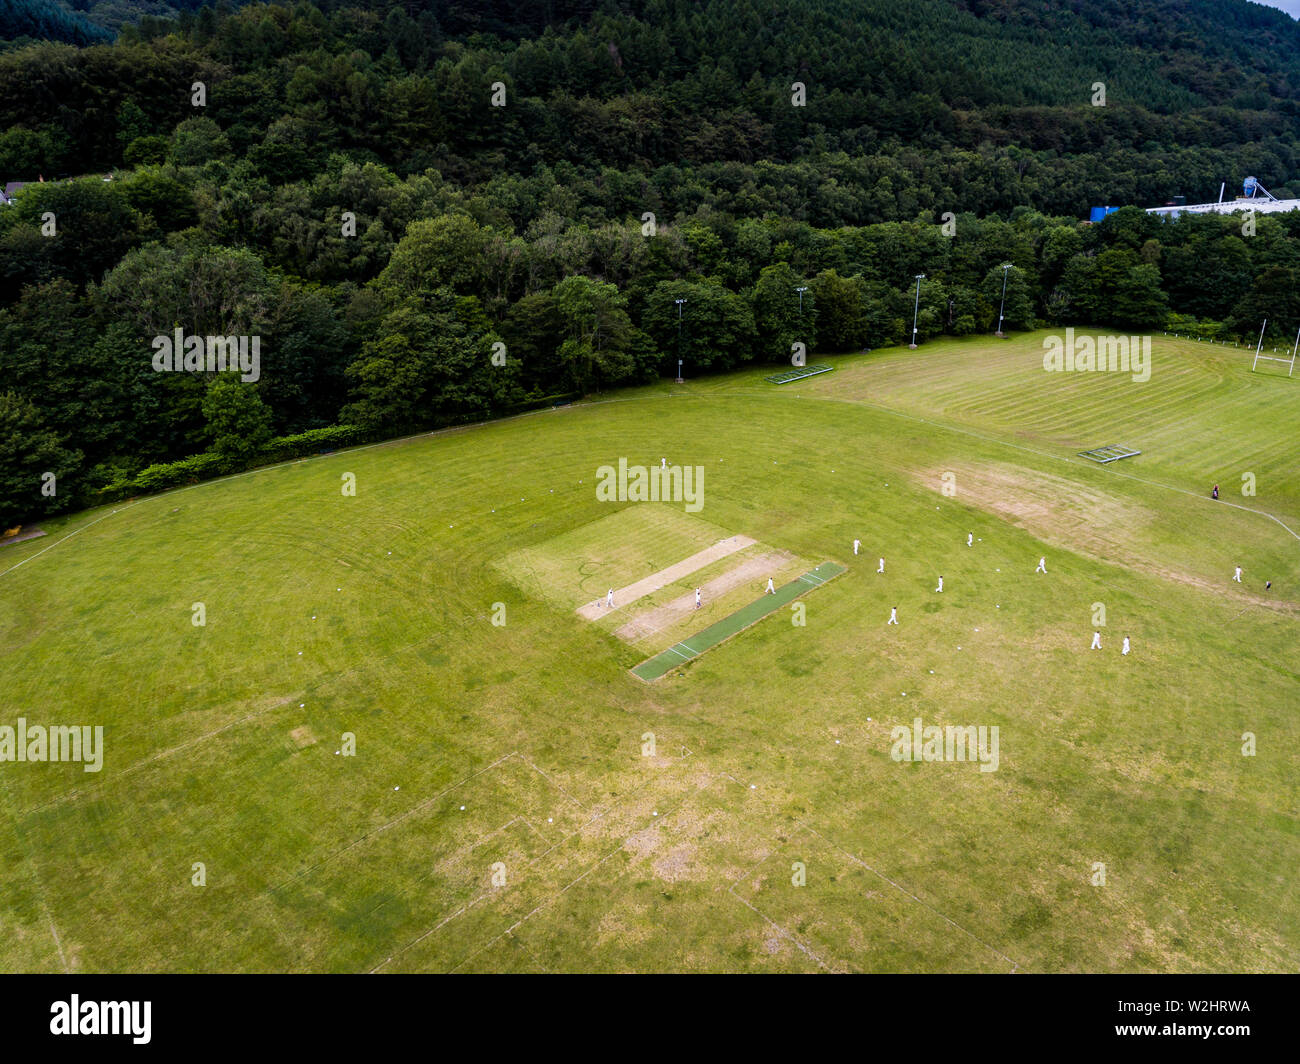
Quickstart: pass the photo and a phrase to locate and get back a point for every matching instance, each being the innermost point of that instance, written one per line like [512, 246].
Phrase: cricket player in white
[663, 463]
[856, 544]
[893, 615]
[697, 598]
[770, 589]
[1096, 641]
[970, 539]
[940, 587]
[609, 598]
[1042, 565]
[881, 569]
[1237, 575]
[1125, 650]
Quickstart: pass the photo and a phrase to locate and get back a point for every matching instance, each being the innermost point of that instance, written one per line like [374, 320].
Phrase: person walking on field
[856, 544]
[940, 587]
[1126, 646]
[1042, 565]
[881, 567]
[1215, 492]
[1237, 575]
[697, 598]
[1096, 641]
[970, 539]
[893, 615]
[770, 589]
[609, 598]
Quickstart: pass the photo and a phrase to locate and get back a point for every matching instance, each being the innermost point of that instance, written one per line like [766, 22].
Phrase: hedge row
[204, 466]
[197, 467]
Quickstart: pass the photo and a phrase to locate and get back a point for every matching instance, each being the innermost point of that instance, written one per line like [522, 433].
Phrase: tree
[238, 422]
[430, 363]
[1019, 308]
[29, 453]
[717, 325]
[778, 320]
[602, 346]
[841, 311]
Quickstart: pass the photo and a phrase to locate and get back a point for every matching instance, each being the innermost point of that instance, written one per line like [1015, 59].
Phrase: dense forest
[429, 213]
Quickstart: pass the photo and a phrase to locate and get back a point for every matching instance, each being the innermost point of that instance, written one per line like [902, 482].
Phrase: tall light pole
[801, 291]
[1005, 267]
[680, 303]
[916, 310]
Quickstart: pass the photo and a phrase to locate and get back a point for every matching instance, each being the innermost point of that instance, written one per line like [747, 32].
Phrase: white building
[1256, 198]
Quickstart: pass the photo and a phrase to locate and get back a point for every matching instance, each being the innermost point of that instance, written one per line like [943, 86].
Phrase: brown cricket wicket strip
[624, 596]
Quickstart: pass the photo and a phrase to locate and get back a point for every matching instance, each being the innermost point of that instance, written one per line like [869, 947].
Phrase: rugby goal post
[1273, 358]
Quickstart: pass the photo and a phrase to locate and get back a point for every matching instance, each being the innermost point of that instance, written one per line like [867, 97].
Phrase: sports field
[520, 800]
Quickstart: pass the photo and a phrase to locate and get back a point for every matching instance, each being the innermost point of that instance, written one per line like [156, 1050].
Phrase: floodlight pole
[801, 291]
[679, 303]
[1005, 267]
[916, 310]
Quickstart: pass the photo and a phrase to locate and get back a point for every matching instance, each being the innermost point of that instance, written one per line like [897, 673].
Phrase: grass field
[519, 801]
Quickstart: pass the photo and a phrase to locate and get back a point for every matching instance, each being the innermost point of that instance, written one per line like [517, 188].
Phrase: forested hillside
[383, 192]
[46, 20]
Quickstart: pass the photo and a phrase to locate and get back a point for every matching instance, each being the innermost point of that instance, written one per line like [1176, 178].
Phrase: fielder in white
[893, 615]
[770, 589]
[609, 598]
[940, 587]
[1096, 641]
[881, 568]
[970, 539]
[663, 463]
[1042, 565]
[1126, 647]
[856, 544]
[697, 598]
[1237, 575]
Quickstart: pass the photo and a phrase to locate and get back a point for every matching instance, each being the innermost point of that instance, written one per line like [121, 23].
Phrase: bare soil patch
[625, 596]
[661, 617]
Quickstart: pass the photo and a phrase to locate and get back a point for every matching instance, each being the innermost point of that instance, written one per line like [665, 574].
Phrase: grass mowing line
[1033, 450]
[858, 860]
[41, 894]
[661, 663]
[596, 815]
[563, 890]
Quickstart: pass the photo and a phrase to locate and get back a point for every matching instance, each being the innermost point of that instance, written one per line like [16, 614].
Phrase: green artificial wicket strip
[697, 644]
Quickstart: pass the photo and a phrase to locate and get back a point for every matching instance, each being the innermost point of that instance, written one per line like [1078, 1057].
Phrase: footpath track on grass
[695, 645]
